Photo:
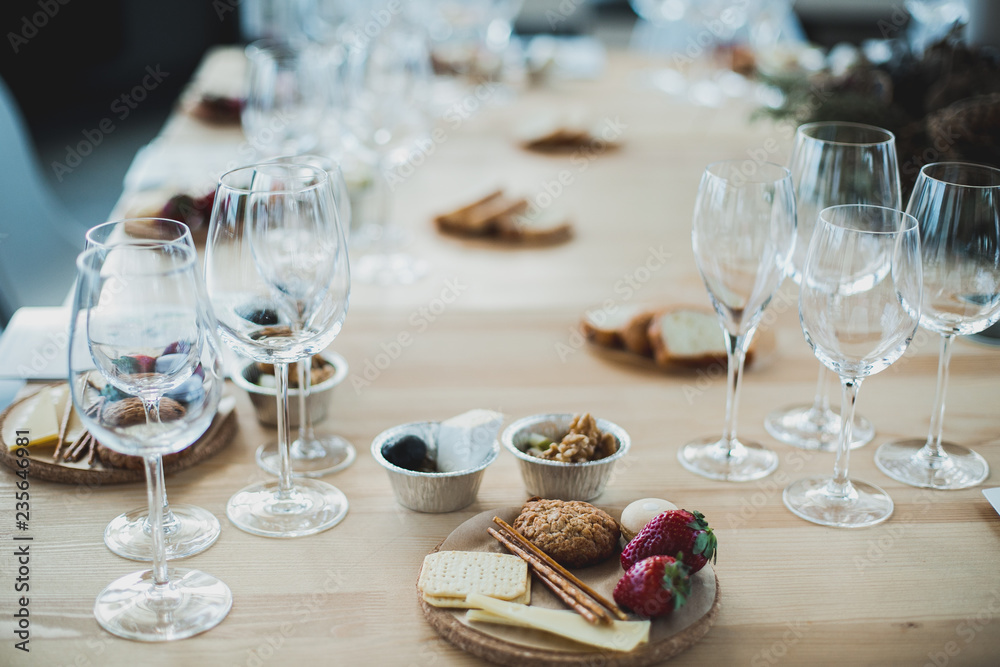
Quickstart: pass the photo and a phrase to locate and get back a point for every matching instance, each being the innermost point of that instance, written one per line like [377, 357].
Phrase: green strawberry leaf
[677, 581]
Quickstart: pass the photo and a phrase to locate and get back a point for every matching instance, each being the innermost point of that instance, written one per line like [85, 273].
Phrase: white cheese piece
[463, 442]
[616, 636]
[40, 420]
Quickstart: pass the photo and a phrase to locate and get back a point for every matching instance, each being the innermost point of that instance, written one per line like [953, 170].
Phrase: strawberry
[674, 532]
[654, 586]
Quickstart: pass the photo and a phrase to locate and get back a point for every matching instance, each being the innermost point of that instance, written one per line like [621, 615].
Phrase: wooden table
[922, 588]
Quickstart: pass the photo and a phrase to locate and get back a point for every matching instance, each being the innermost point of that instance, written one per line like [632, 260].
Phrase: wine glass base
[129, 535]
[134, 607]
[811, 499]
[325, 455]
[805, 427]
[903, 461]
[388, 269]
[709, 457]
[311, 507]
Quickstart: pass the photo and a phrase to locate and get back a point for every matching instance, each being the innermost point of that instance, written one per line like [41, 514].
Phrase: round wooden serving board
[219, 434]
[519, 647]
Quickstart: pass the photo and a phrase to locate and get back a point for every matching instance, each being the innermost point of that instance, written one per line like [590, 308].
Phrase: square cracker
[455, 574]
[460, 603]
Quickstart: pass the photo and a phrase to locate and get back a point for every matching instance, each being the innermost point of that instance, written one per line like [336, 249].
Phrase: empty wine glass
[859, 304]
[312, 455]
[956, 206]
[140, 316]
[833, 163]
[744, 232]
[188, 529]
[287, 95]
[277, 272]
[389, 110]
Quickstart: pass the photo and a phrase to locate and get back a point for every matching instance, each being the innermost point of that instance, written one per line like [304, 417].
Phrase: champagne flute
[277, 272]
[956, 206]
[140, 315]
[859, 305]
[187, 529]
[744, 232]
[833, 163]
[312, 455]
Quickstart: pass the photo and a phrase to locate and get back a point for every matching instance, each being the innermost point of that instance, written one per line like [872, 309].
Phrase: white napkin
[993, 495]
[465, 440]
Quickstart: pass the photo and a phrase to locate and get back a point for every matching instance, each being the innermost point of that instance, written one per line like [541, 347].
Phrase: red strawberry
[654, 586]
[674, 532]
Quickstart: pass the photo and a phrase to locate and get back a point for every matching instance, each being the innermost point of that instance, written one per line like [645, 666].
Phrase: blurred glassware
[288, 95]
[389, 74]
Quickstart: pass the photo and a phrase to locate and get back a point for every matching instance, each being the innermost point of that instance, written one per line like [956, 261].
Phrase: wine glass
[187, 529]
[287, 95]
[744, 232]
[833, 163]
[956, 206]
[140, 315]
[391, 76]
[312, 455]
[859, 304]
[277, 272]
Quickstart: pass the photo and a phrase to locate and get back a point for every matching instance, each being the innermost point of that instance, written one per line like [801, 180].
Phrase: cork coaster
[219, 434]
[519, 647]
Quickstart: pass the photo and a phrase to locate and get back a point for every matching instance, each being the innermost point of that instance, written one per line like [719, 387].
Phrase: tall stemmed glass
[859, 305]
[744, 232]
[833, 163]
[277, 273]
[958, 208]
[140, 315]
[187, 529]
[313, 455]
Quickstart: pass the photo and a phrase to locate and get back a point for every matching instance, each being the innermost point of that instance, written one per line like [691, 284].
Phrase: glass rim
[270, 44]
[190, 257]
[805, 127]
[912, 222]
[138, 241]
[291, 157]
[323, 179]
[741, 178]
[924, 172]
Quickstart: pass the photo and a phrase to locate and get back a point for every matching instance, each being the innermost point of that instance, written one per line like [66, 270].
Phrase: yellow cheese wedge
[40, 421]
[616, 636]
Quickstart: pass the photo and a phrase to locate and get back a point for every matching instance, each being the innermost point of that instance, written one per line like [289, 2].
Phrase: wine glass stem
[840, 484]
[154, 494]
[306, 433]
[736, 355]
[932, 450]
[821, 403]
[285, 475]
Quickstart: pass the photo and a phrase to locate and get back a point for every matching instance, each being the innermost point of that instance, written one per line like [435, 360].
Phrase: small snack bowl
[265, 403]
[429, 491]
[555, 479]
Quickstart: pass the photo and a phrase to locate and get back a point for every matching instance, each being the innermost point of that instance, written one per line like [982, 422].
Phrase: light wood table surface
[923, 588]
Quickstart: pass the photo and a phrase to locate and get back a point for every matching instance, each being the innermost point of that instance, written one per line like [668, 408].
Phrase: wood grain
[906, 592]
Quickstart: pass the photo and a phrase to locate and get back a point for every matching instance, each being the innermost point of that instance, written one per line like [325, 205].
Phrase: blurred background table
[494, 327]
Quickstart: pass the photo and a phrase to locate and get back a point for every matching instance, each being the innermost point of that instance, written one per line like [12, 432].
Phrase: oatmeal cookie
[574, 533]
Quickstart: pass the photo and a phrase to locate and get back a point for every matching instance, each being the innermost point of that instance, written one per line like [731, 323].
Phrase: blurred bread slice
[635, 333]
[607, 328]
[687, 336]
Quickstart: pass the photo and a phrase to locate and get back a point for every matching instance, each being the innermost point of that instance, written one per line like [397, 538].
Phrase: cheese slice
[615, 636]
[461, 603]
[40, 421]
